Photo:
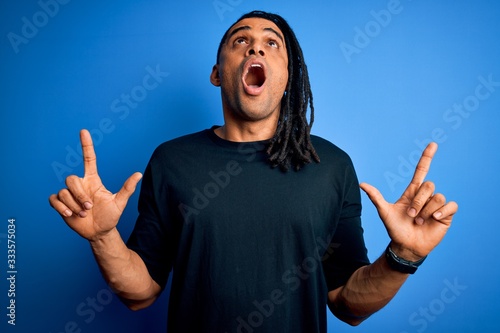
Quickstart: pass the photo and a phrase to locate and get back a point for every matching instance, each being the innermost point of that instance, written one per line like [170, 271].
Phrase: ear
[215, 76]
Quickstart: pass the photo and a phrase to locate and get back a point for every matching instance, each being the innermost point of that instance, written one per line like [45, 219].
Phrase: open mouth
[254, 77]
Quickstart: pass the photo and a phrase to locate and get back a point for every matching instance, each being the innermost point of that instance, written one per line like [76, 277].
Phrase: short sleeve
[347, 251]
[150, 236]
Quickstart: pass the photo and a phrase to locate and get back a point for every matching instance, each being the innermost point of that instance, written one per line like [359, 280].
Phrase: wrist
[103, 237]
[401, 264]
[404, 252]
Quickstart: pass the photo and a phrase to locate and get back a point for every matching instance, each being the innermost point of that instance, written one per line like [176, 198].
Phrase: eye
[273, 43]
[240, 40]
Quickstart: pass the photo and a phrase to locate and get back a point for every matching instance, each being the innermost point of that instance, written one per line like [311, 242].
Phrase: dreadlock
[291, 144]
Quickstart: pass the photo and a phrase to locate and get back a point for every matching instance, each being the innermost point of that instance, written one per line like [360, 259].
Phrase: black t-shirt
[252, 248]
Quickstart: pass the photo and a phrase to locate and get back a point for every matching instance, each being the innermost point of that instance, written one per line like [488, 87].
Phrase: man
[260, 234]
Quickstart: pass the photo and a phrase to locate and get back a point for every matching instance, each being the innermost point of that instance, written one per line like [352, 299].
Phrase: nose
[256, 49]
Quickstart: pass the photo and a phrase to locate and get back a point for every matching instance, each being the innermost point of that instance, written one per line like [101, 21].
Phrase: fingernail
[82, 214]
[419, 220]
[412, 212]
[437, 215]
[87, 205]
[68, 213]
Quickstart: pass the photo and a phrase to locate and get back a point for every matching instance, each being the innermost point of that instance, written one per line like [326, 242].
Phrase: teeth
[256, 65]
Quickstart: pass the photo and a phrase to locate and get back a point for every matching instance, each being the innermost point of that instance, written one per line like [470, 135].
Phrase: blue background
[381, 88]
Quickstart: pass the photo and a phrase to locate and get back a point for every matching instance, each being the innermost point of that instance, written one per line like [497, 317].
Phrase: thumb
[375, 196]
[127, 190]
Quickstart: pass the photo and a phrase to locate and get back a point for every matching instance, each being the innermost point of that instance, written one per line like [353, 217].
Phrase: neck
[237, 129]
[245, 132]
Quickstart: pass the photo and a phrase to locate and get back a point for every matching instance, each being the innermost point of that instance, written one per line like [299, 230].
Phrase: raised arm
[93, 212]
[416, 224]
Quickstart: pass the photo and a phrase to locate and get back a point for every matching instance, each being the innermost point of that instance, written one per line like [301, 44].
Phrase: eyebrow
[246, 27]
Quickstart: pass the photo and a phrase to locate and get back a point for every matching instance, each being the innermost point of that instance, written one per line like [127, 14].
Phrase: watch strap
[401, 265]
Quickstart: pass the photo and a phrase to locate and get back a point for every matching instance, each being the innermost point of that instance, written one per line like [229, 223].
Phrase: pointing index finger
[424, 164]
[89, 157]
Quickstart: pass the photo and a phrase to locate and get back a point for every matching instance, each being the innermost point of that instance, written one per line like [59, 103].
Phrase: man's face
[252, 70]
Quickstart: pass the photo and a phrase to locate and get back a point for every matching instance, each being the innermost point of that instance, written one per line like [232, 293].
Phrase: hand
[418, 221]
[86, 205]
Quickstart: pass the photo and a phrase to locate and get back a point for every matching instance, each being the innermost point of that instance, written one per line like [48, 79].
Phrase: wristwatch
[400, 264]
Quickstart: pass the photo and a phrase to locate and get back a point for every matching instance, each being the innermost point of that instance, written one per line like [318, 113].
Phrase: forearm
[368, 290]
[124, 271]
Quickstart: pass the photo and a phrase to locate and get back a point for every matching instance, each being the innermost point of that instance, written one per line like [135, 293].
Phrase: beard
[246, 107]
